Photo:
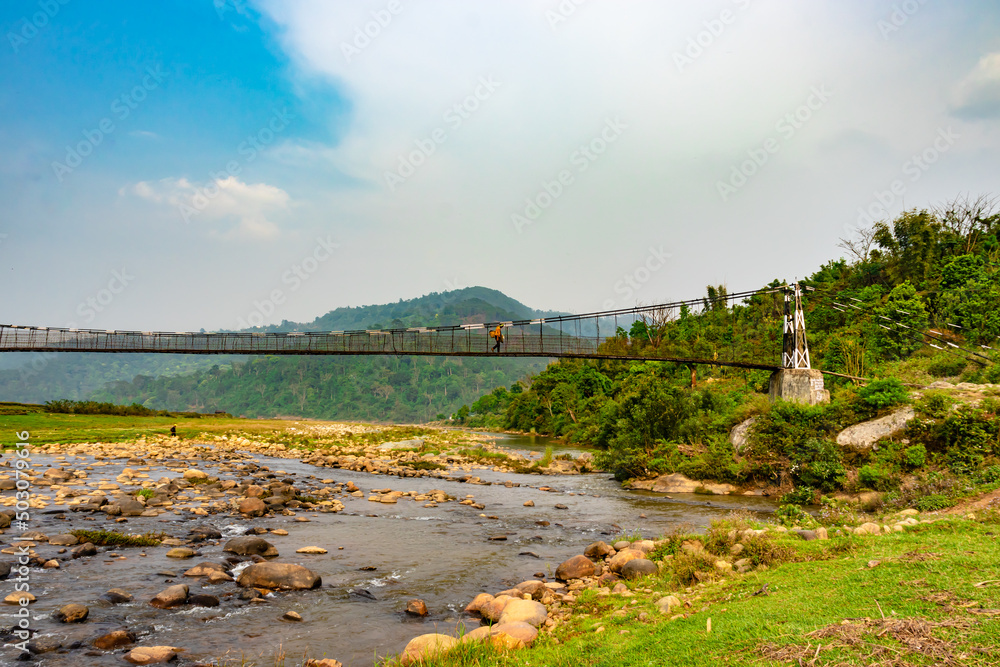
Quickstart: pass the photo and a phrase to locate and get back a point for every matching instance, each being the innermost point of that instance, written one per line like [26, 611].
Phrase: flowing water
[379, 557]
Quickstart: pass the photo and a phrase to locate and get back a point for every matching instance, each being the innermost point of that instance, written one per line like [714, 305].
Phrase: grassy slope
[927, 573]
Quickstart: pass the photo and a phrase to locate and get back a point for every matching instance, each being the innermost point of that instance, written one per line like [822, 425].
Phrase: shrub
[145, 493]
[989, 475]
[876, 477]
[933, 503]
[915, 456]
[102, 538]
[802, 495]
[949, 367]
[791, 515]
[881, 394]
[935, 404]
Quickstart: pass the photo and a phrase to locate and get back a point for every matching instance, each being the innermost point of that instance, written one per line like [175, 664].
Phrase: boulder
[280, 576]
[205, 569]
[64, 540]
[492, 610]
[195, 475]
[151, 655]
[250, 545]
[114, 639]
[202, 533]
[576, 567]
[868, 528]
[674, 483]
[665, 604]
[625, 555]
[173, 596]
[426, 646]
[117, 596]
[252, 507]
[181, 552]
[311, 550]
[638, 567]
[323, 662]
[71, 613]
[127, 507]
[523, 611]
[203, 600]
[416, 608]
[740, 433]
[598, 550]
[84, 550]
[523, 634]
[866, 434]
[532, 587]
[477, 603]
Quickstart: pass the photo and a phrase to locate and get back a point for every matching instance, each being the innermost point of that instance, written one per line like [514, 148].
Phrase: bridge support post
[797, 381]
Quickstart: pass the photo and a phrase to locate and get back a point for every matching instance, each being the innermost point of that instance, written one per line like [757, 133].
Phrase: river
[442, 555]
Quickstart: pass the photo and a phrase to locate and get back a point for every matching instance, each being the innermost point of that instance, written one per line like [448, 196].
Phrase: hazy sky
[201, 163]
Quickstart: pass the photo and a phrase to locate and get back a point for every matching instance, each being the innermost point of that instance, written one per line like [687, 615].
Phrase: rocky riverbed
[255, 548]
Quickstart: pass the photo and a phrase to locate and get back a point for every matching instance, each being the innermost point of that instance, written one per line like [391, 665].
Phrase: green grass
[145, 493]
[102, 538]
[925, 577]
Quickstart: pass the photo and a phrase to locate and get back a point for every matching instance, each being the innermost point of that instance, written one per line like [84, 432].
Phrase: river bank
[391, 532]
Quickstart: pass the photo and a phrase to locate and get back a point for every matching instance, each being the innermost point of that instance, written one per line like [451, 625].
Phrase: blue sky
[257, 160]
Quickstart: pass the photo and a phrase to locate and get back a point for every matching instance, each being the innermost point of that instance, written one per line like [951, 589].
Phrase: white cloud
[978, 94]
[234, 209]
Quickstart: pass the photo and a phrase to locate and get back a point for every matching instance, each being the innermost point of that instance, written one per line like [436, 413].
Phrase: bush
[933, 503]
[876, 477]
[989, 475]
[881, 394]
[915, 456]
[935, 404]
[950, 367]
[803, 495]
[791, 515]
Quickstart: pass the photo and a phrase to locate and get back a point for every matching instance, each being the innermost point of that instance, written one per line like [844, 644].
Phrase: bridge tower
[797, 380]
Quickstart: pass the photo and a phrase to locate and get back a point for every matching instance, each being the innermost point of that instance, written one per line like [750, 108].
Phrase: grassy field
[930, 596]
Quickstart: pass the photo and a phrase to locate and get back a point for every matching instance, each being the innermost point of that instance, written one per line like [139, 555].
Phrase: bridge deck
[537, 338]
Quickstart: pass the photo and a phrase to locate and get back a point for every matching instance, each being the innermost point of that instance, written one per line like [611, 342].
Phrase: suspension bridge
[584, 336]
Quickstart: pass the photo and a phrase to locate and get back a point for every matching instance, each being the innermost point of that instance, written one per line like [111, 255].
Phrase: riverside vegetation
[930, 272]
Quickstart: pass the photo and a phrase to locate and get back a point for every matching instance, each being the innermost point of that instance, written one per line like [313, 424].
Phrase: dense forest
[917, 299]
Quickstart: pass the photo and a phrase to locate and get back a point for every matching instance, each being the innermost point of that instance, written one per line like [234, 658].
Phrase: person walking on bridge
[497, 335]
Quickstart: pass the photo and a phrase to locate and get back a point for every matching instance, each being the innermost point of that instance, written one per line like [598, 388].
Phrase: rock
[716, 489]
[645, 546]
[524, 634]
[524, 611]
[868, 528]
[219, 577]
[205, 569]
[64, 540]
[84, 551]
[181, 552]
[618, 561]
[415, 443]
[665, 604]
[203, 600]
[311, 550]
[576, 567]
[202, 533]
[280, 576]
[5, 568]
[598, 550]
[51, 564]
[323, 662]
[674, 483]
[151, 655]
[740, 433]
[114, 639]
[492, 610]
[117, 596]
[620, 589]
[193, 474]
[127, 507]
[638, 567]
[17, 596]
[416, 608]
[40, 645]
[477, 603]
[807, 535]
[866, 434]
[252, 507]
[529, 503]
[250, 545]
[822, 533]
[71, 613]
[532, 587]
[426, 646]
[173, 596]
